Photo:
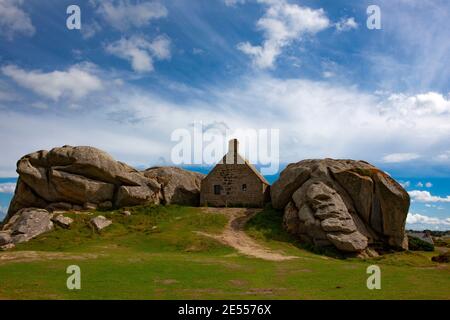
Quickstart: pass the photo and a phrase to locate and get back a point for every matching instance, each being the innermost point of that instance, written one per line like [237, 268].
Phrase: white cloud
[434, 206]
[443, 156]
[328, 74]
[346, 24]
[234, 2]
[421, 185]
[124, 14]
[7, 95]
[405, 184]
[14, 20]
[353, 124]
[282, 24]
[3, 212]
[400, 157]
[75, 83]
[430, 103]
[160, 47]
[140, 51]
[7, 187]
[415, 218]
[198, 51]
[422, 62]
[89, 30]
[426, 196]
[40, 105]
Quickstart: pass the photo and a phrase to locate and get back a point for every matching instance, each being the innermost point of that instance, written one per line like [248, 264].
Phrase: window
[244, 187]
[217, 189]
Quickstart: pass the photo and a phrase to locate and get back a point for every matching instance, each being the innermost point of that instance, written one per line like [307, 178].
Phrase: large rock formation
[68, 177]
[348, 204]
[177, 185]
[78, 178]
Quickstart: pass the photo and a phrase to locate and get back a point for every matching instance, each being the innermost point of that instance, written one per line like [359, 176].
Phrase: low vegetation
[156, 253]
[442, 258]
[442, 241]
[416, 244]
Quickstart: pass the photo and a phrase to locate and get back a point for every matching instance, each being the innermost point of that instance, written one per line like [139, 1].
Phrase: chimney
[233, 149]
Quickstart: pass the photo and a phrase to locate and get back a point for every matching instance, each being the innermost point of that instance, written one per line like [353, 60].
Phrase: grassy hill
[158, 253]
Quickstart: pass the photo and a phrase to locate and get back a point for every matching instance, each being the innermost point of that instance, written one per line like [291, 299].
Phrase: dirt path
[29, 256]
[234, 235]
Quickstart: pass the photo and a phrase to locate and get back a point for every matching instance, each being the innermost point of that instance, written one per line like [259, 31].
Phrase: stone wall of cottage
[231, 178]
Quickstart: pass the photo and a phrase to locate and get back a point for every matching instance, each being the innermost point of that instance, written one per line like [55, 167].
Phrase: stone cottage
[234, 182]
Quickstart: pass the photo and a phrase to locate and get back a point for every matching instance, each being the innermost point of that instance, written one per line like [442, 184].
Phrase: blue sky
[137, 70]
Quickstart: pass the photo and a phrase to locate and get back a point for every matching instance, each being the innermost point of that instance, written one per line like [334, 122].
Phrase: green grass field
[155, 254]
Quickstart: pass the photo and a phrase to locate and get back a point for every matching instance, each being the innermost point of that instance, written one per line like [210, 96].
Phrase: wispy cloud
[233, 2]
[7, 94]
[430, 103]
[445, 156]
[415, 218]
[89, 30]
[14, 20]
[3, 212]
[400, 157]
[346, 24]
[419, 46]
[7, 187]
[75, 83]
[141, 51]
[437, 207]
[420, 184]
[426, 196]
[331, 118]
[282, 24]
[124, 14]
[360, 127]
[405, 184]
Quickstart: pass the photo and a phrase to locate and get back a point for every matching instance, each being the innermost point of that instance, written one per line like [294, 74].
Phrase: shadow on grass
[268, 225]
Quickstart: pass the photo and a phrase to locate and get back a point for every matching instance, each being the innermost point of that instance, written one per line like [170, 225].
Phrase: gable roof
[236, 158]
[258, 174]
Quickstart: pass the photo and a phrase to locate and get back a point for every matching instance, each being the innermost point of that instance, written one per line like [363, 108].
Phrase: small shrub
[442, 258]
[415, 244]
